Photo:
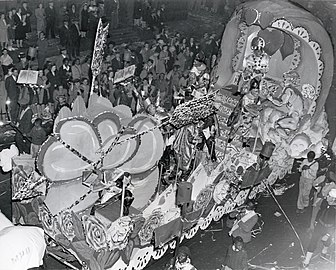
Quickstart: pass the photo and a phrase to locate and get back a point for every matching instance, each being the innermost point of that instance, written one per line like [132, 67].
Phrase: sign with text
[124, 74]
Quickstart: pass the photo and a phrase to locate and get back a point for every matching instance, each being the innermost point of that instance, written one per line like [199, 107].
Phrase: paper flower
[95, 233]
[49, 222]
[155, 220]
[66, 224]
[203, 198]
[118, 232]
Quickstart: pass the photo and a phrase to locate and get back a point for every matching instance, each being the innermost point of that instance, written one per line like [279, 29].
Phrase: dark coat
[65, 36]
[12, 89]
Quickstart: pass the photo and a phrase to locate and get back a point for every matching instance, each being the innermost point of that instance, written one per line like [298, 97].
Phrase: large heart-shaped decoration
[79, 144]
[151, 146]
[274, 40]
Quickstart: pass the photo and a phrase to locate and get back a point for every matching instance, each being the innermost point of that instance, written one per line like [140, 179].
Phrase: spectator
[75, 39]
[85, 90]
[53, 80]
[146, 52]
[86, 68]
[324, 229]
[38, 136]
[308, 171]
[64, 73]
[42, 50]
[117, 62]
[11, 26]
[3, 31]
[84, 22]
[65, 37]
[137, 13]
[26, 12]
[111, 88]
[40, 19]
[61, 57]
[60, 97]
[6, 61]
[23, 63]
[24, 123]
[43, 93]
[50, 20]
[114, 13]
[63, 15]
[162, 60]
[73, 14]
[76, 70]
[236, 256]
[245, 223]
[74, 91]
[20, 30]
[192, 45]
[181, 59]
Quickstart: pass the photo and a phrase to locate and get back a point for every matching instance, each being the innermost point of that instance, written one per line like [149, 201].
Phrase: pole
[92, 85]
[122, 199]
[256, 138]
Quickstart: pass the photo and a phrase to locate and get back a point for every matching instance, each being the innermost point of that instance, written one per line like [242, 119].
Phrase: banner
[225, 103]
[98, 52]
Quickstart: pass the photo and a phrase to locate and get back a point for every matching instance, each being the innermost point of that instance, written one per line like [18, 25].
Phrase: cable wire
[284, 213]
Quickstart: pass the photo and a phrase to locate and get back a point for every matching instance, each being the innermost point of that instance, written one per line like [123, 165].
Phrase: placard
[27, 77]
[124, 74]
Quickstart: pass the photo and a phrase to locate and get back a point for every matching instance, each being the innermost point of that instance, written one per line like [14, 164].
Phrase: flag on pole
[98, 50]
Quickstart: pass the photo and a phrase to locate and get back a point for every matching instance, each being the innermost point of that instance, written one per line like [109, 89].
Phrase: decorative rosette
[66, 224]
[95, 233]
[203, 198]
[221, 191]
[118, 232]
[49, 222]
[154, 221]
[309, 91]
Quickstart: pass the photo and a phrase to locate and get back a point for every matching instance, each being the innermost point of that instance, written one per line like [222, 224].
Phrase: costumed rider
[260, 170]
[182, 261]
[324, 228]
[116, 190]
[245, 112]
[289, 108]
[245, 222]
[202, 77]
[256, 65]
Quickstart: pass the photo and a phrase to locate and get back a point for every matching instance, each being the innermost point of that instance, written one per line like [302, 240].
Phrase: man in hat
[23, 64]
[75, 39]
[59, 59]
[308, 171]
[117, 62]
[325, 227]
[65, 37]
[245, 222]
[12, 94]
[50, 20]
[260, 170]
[182, 260]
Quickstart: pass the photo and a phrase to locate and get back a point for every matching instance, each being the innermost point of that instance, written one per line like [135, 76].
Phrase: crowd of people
[169, 69]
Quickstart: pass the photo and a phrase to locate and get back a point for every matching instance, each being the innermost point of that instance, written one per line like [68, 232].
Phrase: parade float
[96, 185]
